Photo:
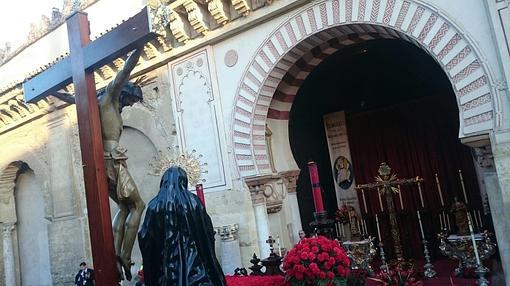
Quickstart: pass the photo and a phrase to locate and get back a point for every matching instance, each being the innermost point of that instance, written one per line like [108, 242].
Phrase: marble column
[289, 179]
[262, 222]
[229, 248]
[498, 190]
[8, 254]
[257, 186]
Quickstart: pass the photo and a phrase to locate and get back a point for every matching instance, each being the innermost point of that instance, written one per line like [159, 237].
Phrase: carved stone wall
[198, 109]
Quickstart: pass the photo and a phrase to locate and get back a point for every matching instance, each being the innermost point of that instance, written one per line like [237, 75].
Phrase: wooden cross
[387, 184]
[78, 68]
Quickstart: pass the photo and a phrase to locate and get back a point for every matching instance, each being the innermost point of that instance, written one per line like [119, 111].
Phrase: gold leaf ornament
[191, 164]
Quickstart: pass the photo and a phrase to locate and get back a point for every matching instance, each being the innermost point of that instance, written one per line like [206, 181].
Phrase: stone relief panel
[198, 112]
[62, 180]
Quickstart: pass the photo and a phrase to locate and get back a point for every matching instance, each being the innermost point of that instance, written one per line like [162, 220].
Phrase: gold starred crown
[188, 161]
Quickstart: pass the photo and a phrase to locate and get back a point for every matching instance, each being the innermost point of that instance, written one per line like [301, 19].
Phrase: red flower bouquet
[342, 215]
[399, 274]
[316, 261]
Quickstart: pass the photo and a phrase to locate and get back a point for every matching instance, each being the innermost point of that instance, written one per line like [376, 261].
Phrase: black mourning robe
[177, 237]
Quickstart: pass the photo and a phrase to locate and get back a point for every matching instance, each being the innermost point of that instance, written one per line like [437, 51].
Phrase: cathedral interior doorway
[399, 108]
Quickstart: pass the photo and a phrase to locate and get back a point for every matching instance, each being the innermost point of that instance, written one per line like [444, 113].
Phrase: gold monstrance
[387, 184]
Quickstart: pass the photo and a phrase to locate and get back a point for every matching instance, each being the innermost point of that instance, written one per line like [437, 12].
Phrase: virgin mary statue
[177, 237]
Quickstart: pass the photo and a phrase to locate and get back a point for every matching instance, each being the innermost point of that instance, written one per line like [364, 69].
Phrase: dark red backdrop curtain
[417, 138]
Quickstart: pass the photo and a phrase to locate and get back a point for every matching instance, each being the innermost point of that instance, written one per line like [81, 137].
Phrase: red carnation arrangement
[399, 274]
[342, 215]
[316, 261]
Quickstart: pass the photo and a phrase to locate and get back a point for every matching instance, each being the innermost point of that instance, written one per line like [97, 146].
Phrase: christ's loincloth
[120, 183]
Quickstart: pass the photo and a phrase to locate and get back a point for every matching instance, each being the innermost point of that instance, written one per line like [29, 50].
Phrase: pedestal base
[361, 254]
[460, 247]
[323, 226]
[272, 264]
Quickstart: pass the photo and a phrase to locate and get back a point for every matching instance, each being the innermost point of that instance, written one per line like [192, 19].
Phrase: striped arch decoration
[298, 45]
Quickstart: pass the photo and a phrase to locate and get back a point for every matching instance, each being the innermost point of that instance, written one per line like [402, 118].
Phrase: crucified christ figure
[118, 94]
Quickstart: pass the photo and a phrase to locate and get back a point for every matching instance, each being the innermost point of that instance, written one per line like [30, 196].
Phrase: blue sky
[16, 16]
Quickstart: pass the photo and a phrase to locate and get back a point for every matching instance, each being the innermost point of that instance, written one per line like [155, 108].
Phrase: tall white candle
[448, 221]
[463, 187]
[365, 223]
[359, 227]
[439, 191]
[421, 195]
[400, 197]
[364, 201]
[475, 248]
[441, 221]
[378, 229]
[380, 200]
[421, 226]
[279, 246]
[476, 219]
[480, 219]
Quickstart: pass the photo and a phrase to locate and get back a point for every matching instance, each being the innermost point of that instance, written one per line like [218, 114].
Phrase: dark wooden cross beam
[78, 68]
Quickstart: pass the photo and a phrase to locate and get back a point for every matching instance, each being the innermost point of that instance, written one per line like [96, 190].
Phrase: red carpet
[255, 280]
[444, 268]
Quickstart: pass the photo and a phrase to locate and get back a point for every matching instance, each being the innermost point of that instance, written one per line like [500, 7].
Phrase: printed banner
[340, 157]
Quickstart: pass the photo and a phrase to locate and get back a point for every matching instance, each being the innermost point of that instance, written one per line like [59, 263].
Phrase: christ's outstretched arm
[64, 96]
[115, 86]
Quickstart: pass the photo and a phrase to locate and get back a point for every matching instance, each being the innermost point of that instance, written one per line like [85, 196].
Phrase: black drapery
[418, 138]
[177, 237]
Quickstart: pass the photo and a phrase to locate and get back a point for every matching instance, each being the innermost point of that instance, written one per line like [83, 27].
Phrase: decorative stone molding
[228, 232]
[218, 11]
[320, 28]
[7, 184]
[178, 28]
[257, 186]
[242, 7]
[196, 17]
[7, 229]
[160, 18]
[290, 179]
[257, 198]
[177, 21]
[270, 189]
[14, 110]
[501, 85]
[484, 157]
